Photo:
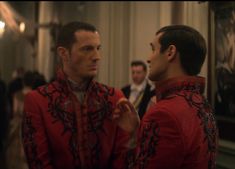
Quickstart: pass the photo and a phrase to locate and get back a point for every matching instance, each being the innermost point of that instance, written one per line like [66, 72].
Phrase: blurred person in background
[14, 155]
[140, 91]
[3, 118]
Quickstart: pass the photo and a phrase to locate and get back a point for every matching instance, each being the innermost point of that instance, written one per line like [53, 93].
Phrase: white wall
[196, 15]
[127, 28]
[45, 57]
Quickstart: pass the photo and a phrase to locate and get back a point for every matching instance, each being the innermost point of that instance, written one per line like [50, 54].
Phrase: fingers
[122, 99]
[126, 116]
[119, 109]
[129, 106]
[125, 105]
[116, 114]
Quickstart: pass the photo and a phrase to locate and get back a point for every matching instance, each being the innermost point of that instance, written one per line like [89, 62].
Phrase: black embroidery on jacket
[208, 122]
[30, 146]
[148, 143]
[61, 107]
[58, 106]
[100, 109]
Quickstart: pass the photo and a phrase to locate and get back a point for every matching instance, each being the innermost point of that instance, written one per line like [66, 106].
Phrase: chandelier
[9, 18]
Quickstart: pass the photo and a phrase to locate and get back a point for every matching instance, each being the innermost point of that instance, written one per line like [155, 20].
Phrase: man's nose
[97, 55]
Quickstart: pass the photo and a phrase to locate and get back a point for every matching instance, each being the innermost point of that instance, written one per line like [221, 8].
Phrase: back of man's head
[189, 43]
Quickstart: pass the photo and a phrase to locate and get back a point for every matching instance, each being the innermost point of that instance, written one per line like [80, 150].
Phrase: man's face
[158, 63]
[138, 74]
[82, 61]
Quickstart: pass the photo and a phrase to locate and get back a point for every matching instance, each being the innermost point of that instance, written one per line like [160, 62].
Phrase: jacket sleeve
[121, 150]
[123, 143]
[160, 143]
[34, 136]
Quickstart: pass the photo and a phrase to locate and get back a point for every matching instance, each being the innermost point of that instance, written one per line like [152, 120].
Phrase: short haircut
[28, 78]
[66, 36]
[139, 63]
[189, 43]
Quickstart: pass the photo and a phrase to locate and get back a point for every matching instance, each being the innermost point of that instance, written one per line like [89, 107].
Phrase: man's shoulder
[126, 87]
[42, 90]
[102, 85]
[35, 92]
[150, 86]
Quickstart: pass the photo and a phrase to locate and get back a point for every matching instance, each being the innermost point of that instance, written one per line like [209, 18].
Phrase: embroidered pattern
[204, 112]
[99, 108]
[31, 148]
[191, 92]
[148, 143]
[62, 108]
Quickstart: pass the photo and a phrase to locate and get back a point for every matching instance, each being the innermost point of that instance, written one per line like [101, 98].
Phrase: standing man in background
[139, 92]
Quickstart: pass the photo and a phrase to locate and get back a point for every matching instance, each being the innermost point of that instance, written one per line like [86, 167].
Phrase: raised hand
[126, 116]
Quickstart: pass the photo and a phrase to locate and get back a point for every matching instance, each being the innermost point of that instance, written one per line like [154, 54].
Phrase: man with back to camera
[179, 131]
[68, 123]
[139, 92]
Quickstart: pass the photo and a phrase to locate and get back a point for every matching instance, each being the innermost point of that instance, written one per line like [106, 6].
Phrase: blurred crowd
[12, 100]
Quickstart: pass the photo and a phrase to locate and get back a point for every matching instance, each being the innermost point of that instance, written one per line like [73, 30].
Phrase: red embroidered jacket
[61, 133]
[179, 131]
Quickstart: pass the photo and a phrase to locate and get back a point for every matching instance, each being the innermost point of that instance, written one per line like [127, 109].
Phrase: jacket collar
[64, 80]
[173, 85]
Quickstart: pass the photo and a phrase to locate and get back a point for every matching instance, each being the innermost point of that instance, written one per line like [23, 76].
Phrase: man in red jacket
[179, 131]
[68, 123]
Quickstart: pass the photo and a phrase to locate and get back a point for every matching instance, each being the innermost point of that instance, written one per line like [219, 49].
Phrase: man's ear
[63, 53]
[171, 52]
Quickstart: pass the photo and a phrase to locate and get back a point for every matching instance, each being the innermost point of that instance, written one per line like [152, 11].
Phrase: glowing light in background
[2, 28]
[22, 27]
[11, 18]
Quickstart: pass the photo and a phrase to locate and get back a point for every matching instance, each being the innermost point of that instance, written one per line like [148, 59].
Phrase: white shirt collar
[139, 87]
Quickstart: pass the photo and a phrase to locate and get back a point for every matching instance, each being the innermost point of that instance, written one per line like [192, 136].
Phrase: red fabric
[179, 132]
[60, 133]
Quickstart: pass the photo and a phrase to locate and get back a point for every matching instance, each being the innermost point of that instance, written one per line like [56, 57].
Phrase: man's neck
[142, 83]
[139, 86]
[82, 85]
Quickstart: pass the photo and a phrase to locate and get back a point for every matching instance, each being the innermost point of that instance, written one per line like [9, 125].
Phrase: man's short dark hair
[66, 35]
[139, 63]
[189, 43]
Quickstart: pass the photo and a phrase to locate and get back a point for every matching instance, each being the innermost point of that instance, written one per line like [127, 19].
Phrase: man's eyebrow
[87, 45]
[90, 46]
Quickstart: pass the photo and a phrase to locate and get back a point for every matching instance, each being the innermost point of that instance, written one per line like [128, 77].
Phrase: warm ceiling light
[2, 25]
[22, 27]
[2, 28]
[10, 17]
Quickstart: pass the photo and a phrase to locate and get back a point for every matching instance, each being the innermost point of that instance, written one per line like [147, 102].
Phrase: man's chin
[92, 74]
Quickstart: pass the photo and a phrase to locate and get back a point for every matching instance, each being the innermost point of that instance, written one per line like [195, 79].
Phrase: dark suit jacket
[148, 93]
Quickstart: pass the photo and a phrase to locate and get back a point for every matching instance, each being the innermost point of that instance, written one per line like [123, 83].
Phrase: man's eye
[88, 48]
[99, 48]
